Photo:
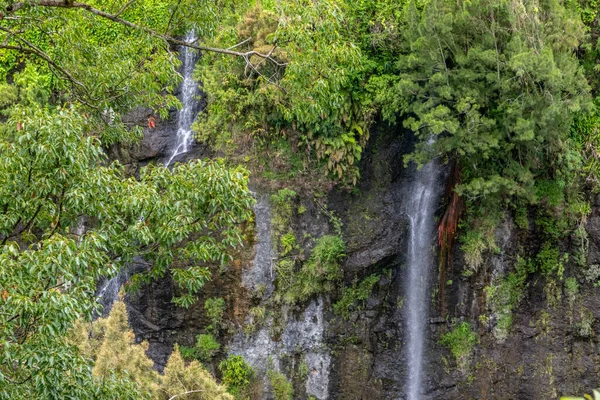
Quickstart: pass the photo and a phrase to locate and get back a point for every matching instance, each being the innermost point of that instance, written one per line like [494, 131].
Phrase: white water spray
[189, 92]
[420, 209]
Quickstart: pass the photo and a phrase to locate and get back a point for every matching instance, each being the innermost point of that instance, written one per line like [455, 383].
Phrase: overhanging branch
[115, 18]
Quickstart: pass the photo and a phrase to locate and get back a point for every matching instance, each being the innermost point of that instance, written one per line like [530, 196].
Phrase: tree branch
[115, 18]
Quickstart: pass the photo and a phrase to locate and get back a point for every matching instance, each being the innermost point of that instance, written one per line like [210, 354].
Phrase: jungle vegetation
[507, 92]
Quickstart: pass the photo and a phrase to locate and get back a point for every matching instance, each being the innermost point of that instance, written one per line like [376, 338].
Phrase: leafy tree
[69, 215]
[115, 353]
[494, 84]
[53, 176]
[310, 96]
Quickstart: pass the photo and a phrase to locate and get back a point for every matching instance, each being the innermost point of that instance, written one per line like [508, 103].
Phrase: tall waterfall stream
[109, 288]
[189, 92]
[420, 208]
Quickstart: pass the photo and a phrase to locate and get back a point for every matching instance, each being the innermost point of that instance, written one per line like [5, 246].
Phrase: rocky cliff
[358, 350]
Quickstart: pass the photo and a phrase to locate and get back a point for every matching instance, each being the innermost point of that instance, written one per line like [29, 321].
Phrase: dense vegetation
[506, 91]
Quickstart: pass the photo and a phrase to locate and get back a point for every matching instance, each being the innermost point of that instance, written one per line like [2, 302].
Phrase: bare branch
[239, 44]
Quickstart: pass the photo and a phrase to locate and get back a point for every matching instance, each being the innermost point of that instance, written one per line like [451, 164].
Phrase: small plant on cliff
[282, 388]
[215, 308]
[207, 346]
[460, 341]
[320, 271]
[353, 297]
[237, 375]
[503, 296]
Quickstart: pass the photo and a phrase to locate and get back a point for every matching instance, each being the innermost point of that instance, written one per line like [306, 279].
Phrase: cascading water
[420, 208]
[303, 334]
[189, 92]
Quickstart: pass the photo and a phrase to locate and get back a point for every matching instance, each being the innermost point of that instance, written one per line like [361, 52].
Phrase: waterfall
[261, 273]
[302, 334]
[420, 208]
[109, 288]
[189, 92]
[108, 292]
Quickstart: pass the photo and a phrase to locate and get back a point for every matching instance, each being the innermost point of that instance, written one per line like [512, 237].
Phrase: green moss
[353, 297]
[460, 341]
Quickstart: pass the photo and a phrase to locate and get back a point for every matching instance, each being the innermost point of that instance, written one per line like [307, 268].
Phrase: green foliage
[110, 343]
[188, 353]
[303, 369]
[237, 375]
[54, 175]
[215, 308]
[283, 202]
[281, 387]
[504, 295]
[55, 178]
[571, 290]
[318, 274]
[359, 292]
[205, 349]
[479, 232]
[311, 97]
[207, 346]
[476, 57]
[585, 327]
[460, 341]
[548, 261]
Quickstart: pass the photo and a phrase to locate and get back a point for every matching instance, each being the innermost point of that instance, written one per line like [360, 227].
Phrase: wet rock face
[551, 348]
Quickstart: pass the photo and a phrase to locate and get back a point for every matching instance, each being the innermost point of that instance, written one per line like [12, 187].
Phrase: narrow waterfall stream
[108, 289]
[422, 198]
[302, 334]
[189, 92]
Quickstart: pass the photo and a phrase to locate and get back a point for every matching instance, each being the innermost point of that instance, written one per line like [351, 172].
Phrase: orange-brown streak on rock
[447, 231]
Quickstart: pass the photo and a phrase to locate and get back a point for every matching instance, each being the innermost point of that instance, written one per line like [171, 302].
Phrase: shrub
[215, 308]
[207, 346]
[357, 293]
[320, 271]
[237, 374]
[282, 388]
[188, 353]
